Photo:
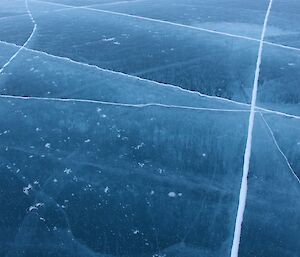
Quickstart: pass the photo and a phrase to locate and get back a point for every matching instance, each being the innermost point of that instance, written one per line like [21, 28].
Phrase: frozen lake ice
[126, 133]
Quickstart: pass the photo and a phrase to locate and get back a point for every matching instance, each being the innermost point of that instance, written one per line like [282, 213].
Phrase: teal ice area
[127, 126]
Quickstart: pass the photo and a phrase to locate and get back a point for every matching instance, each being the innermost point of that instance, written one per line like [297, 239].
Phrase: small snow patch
[67, 171]
[48, 145]
[108, 39]
[172, 194]
[139, 146]
[27, 189]
[141, 164]
[35, 207]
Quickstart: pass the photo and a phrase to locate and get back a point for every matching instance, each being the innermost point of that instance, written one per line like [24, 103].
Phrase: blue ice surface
[6, 53]
[237, 17]
[271, 221]
[167, 54]
[119, 138]
[92, 83]
[87, 2]
[285, 17]
[139, 180]
[279, 80]
[12, 8]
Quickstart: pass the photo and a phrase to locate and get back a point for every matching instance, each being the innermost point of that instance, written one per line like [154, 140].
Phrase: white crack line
[74, 100]
[247, 155]
[279, 149]
[27, 41]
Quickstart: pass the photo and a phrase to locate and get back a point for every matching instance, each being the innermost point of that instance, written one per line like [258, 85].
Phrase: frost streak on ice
[279, 149]
[27, 41]
[244, 184]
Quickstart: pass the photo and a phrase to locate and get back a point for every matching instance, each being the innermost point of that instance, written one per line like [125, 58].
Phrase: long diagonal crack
[152, 82]
[247, 155]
